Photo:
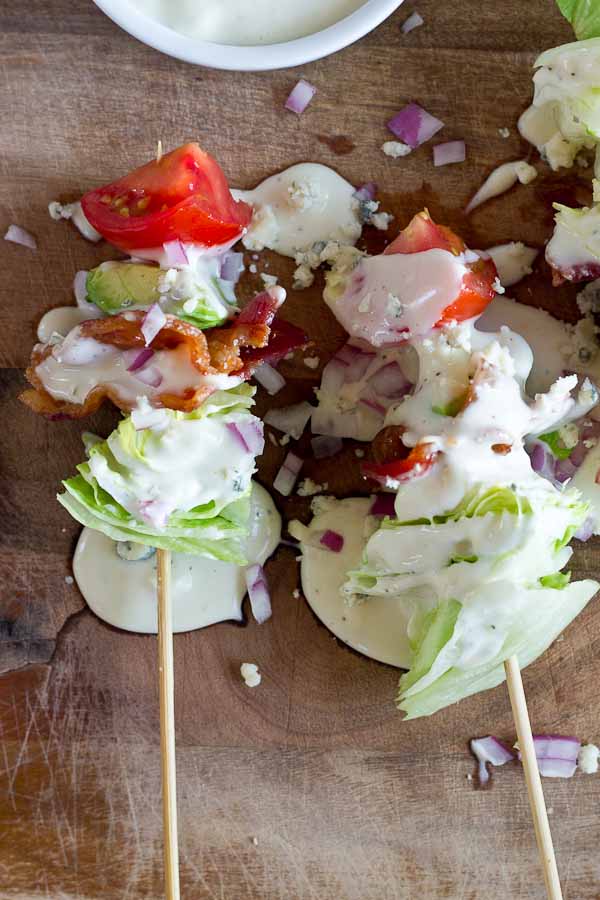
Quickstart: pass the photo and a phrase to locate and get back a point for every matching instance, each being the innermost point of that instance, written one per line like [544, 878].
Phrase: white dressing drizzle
[306, 204]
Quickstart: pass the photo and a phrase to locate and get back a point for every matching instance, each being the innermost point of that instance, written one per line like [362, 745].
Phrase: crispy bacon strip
[216, 352]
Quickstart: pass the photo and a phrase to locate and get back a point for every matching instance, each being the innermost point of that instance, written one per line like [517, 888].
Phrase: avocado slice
[117, 285]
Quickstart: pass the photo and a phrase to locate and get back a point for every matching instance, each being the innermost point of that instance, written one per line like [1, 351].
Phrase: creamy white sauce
[497, 366]
[75, 213]
[377, 628]
[501, 180]
[203, 590]
[303, 205]
[513, 261]
[199, 257]
[547, 337]
[59, 322]
[212, 464]
[247, 24]
[78, 364]
[391, 297]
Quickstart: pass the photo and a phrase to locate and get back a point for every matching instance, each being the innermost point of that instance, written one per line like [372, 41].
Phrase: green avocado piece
[119, 285]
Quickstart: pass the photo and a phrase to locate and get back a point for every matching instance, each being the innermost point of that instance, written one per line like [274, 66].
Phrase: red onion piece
[17, 235]
[355, 359]
[450, 152]
[333, 376]
[139, 358]
[232, 266]
[300, 97]
[332, 540]
[249, 435]
[413, 21]
[326, 445]
[556, 754]
[288, 473]
[366, 191]
[150, 376]
[290, 419]
[489, 749]
[152, 323]
[269, 378]
[175, 254]
[390, 381]
[258, 592]
[564, 470]
[383, 505]
[414, 125]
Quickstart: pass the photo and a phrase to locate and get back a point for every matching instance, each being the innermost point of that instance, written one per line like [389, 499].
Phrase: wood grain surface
[310, 786]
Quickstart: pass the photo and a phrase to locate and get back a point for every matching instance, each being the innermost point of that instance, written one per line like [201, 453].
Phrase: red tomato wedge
[421, 234]
[418, 462]
[183, 196]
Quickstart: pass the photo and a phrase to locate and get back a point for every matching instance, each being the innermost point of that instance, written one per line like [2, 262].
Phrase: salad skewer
[167, 725]
[537, 803]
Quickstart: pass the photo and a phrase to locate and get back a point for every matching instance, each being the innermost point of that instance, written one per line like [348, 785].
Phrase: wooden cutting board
[310, 786]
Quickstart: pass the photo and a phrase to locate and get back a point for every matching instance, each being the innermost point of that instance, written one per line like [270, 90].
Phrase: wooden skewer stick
[537, 803]
[167, 725]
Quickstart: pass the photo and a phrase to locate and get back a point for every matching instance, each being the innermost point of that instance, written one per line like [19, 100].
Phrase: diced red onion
[355, 359]
[258, 592]
[332, 540]
[175, 254]
[18, 235]
[543, 462]
[139, 358]
[290, 419]
[556, 754]
[300, 97]
[383, 505]
[249, 435]
[489, 749]
[326, 445]
[152, 323]
[564, 470]
[232, 266]
[390, 381]
[414, 125]
[288, 473]
[333, 376]
[150, 376]
[413, 21]
[450, 152]
[269, 378]
[366, 191]
[374, 405]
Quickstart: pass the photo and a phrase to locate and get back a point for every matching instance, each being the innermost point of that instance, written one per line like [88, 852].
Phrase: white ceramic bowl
[249, 59]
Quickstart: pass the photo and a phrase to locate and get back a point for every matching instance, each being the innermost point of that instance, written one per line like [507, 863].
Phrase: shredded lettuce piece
[557, 582]
[546, 613]
[554, 442]
[583, 15]
[216, 530]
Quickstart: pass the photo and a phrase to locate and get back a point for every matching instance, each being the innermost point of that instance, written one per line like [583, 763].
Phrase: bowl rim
[254, 58]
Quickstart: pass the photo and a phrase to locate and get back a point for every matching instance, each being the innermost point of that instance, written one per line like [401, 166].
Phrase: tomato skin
[477, 292]
[418, 462]
[183, 196]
